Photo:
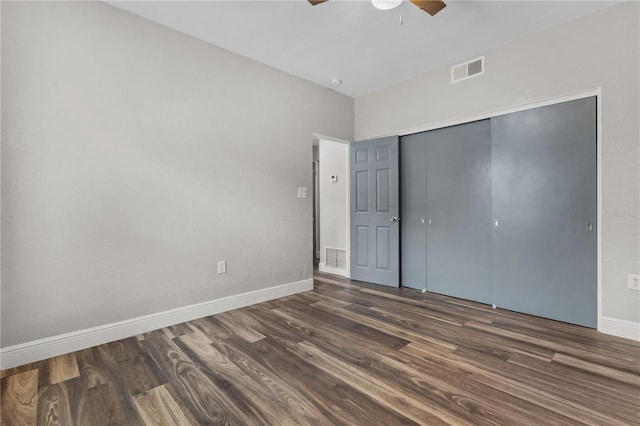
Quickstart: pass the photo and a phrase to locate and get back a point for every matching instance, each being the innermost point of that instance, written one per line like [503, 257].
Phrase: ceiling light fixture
[385, 4]
[336, 81]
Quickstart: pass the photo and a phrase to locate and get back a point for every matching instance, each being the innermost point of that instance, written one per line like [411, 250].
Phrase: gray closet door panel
[413, 208]
[544, 199]
[458, 201]
[374, 198]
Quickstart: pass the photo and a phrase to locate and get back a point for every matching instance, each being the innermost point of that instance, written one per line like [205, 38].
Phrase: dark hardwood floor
[344, 353]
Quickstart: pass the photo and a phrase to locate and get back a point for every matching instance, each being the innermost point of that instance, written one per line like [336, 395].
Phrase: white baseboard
[620, 328]
[331, 270]
[40, 349]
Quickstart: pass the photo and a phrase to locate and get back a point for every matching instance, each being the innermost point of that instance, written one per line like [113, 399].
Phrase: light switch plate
[302, 192]
[222, 266]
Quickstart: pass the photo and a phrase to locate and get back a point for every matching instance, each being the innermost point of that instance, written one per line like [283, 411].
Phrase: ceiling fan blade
[316, 2]
[430, 6]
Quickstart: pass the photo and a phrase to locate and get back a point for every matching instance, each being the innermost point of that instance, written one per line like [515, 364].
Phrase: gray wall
[134, 157]
[598, 50]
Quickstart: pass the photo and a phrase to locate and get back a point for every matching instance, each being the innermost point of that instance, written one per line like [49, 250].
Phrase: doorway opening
[331, 205]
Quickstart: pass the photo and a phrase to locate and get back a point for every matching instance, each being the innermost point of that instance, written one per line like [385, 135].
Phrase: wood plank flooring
[345, 353]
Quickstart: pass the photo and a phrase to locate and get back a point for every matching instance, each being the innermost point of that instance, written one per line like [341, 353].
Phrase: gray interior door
[458, 182]
[413, 208]
[544, 208]
[374, 199]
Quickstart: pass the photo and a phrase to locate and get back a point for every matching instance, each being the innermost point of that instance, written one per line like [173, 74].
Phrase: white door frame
[348, 203]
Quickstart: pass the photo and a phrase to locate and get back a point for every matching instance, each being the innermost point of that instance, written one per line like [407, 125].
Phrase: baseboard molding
[620, 328]
[40, 349]
[331, 270]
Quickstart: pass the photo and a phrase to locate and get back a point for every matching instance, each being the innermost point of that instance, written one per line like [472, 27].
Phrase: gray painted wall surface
[134, 157]
[602, 49]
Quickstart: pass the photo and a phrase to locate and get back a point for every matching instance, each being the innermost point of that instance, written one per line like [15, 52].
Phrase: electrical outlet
[222, 266]
[634, 282]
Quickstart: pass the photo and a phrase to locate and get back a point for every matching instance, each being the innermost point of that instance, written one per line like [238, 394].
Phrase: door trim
[597, 92]
[329, 138]
[319, 136]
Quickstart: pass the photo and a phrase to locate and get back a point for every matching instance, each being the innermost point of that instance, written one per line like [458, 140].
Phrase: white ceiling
[349, 39]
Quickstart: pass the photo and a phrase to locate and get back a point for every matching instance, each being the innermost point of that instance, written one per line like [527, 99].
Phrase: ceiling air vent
[467, 70]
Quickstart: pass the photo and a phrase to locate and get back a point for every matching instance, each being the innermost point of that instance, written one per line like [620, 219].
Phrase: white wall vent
[336, 258]
[469, 69]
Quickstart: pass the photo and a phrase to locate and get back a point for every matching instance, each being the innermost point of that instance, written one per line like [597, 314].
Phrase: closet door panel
[458, 168]
[544, 209]
[413, 211]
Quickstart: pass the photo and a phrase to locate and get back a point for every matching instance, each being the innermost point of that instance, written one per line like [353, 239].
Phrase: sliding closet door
[458, 177]
[544, 209]
[413, 209]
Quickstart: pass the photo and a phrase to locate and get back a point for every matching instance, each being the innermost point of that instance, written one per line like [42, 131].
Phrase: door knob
[395, 219]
